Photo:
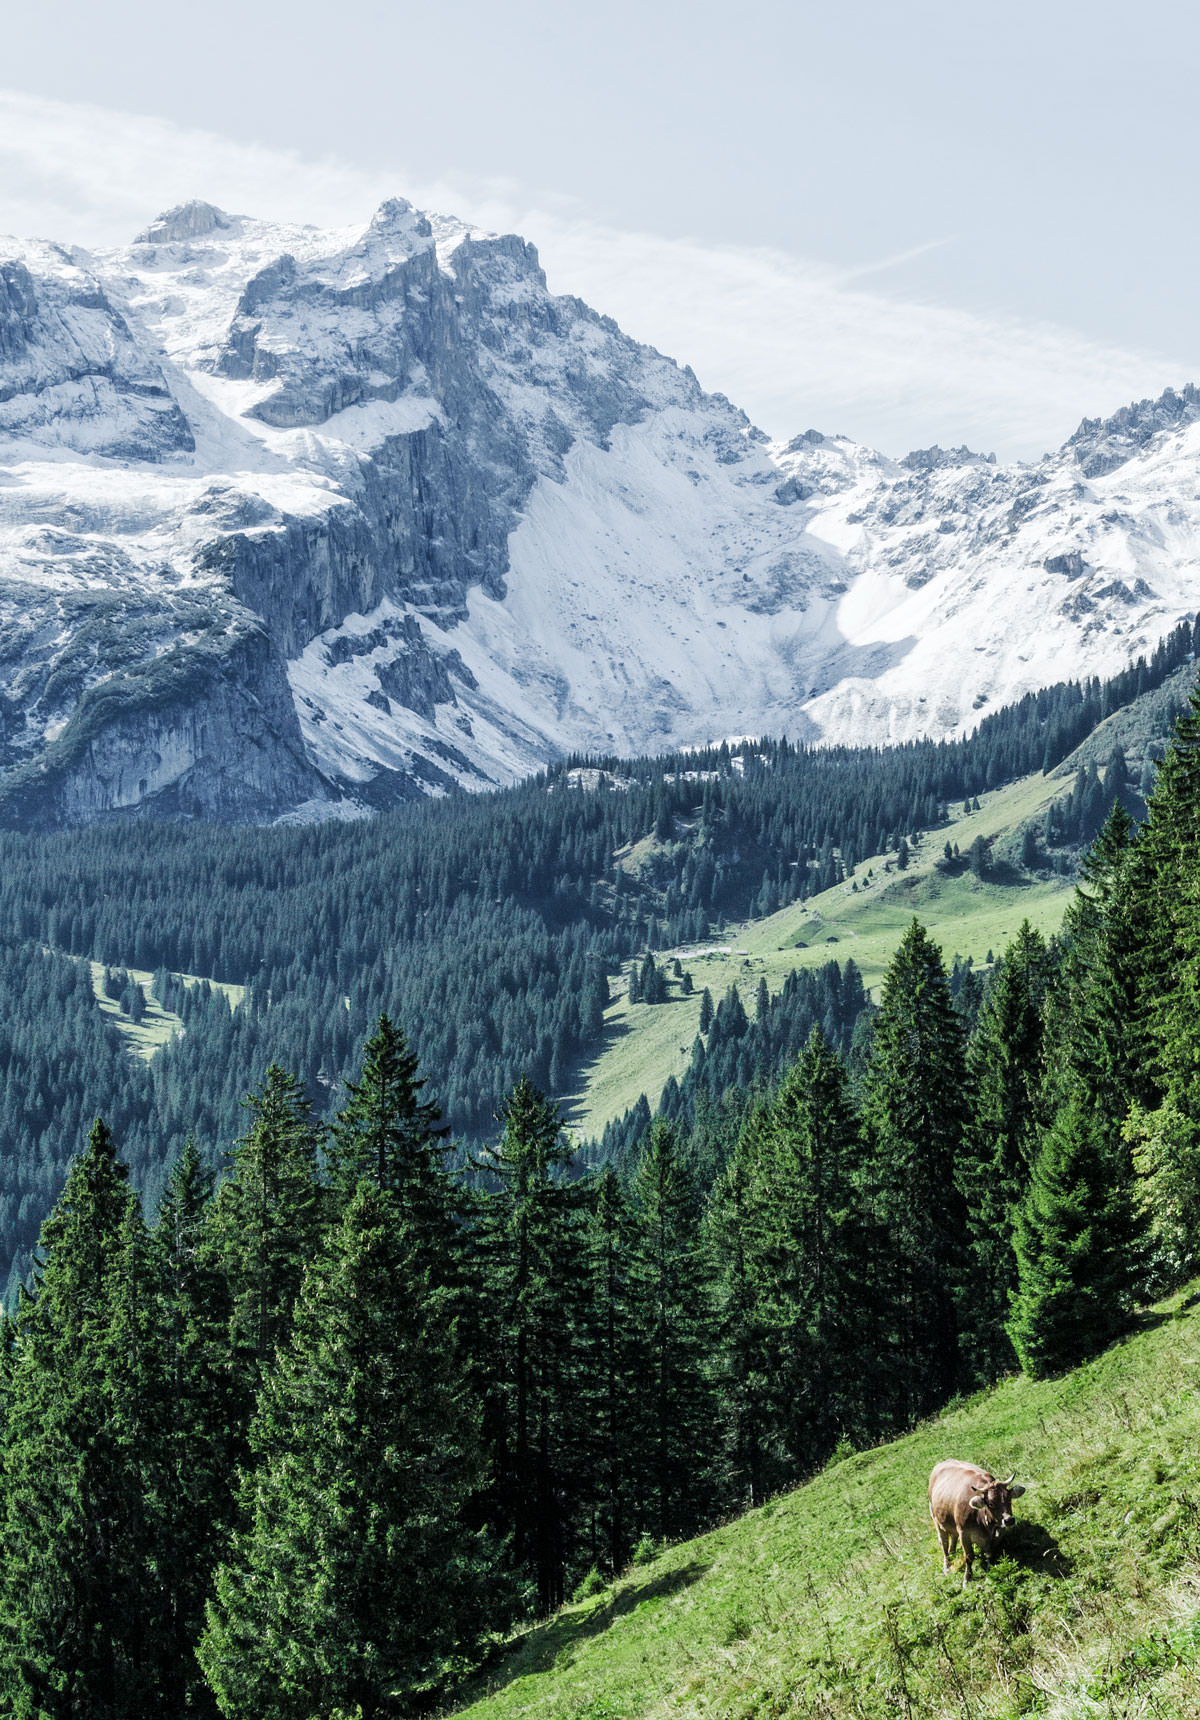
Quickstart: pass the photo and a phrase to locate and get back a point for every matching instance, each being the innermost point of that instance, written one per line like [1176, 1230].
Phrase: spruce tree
[1078, 1242]
[533, 1287]
[1005, 1079]
[386, 1132]
[813, 1245]
[748, 1363]
[143, 1430]
[916, 1114]
[1101, 1035]
[678, 1422]
[354, 1585]
[264, 1227]
[202, 1446]
[788, 1226]
[608, 1370]
[1164, 1127]
[1165, 873]
[81, 1602]
[653, 987]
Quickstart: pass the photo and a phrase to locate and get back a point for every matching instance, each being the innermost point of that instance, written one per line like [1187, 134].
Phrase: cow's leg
[946, 1540]
[968, 1556]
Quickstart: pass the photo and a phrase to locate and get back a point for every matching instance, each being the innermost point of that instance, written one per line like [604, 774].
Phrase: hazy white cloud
[796, 343]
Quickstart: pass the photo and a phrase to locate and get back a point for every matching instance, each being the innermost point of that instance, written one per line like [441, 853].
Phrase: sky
[904, 220]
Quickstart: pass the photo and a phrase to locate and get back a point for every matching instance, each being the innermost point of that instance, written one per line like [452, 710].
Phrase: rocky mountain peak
[936, 459]
[186, 221]
[1100, 445]
[397, 219]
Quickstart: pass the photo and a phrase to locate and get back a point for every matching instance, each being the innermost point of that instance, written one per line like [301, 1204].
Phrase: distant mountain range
[297, 523]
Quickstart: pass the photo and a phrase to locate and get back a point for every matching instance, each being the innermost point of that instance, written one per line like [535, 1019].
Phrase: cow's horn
[1011, 1479]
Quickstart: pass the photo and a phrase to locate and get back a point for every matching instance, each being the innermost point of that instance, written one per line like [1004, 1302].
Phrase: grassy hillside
[646, 1044]
[830, 1602]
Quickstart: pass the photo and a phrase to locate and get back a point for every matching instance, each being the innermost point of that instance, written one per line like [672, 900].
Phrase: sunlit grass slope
[159, 1025]
[647, 1043]
[830, 1602]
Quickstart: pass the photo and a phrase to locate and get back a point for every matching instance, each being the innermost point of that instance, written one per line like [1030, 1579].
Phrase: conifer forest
[330, 1358]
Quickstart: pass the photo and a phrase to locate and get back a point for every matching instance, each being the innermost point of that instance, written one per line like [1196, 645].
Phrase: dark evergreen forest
[487, 925]
[309, 1442]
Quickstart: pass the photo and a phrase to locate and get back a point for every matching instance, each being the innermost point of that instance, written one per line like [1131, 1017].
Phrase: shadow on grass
[1149, 1319]
[1035, 1549]
[1001, 872]
[1010, 876]
[572, 1109]
[546, 1643]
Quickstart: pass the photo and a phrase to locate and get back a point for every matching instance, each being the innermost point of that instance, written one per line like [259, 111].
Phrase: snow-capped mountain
[296, 520]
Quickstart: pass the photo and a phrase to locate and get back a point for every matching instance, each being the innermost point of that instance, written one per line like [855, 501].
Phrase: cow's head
[993, 1503]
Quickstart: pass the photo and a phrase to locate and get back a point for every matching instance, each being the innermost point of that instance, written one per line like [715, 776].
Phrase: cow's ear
[1016, 1492]
[977, 1503]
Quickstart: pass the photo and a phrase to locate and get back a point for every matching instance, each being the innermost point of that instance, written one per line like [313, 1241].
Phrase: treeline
[491, 924]
[307, 1442]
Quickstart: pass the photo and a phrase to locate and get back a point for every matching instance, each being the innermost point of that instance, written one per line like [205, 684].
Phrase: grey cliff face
[186, 221]
[160, 740]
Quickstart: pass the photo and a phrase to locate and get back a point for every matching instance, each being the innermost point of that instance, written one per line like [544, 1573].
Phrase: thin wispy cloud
[896, 261]
[795, 342]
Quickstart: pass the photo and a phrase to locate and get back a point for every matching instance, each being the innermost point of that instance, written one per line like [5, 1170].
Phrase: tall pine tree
[529, 1237]
[202, 1447]
[386, 1132]
[1101, 1041]
[814, 1241]
[608, 1371]
[355, 1585]
[1078, 1244]
[1165, 1136]
[916, 1115]
[81, 1602]
[1006, 1076]
[264, 1227]
[678, 1422]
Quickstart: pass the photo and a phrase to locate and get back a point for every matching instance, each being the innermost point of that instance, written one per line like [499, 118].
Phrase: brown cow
[969, 1505]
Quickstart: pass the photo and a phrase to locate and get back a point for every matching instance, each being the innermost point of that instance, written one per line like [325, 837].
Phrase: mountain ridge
[300, 523]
